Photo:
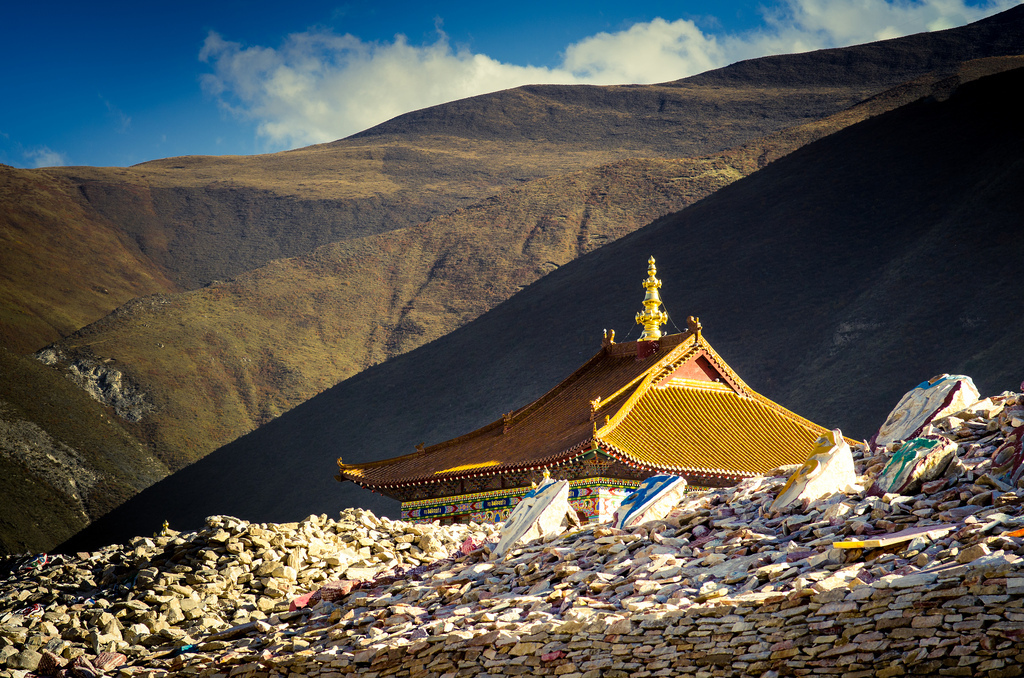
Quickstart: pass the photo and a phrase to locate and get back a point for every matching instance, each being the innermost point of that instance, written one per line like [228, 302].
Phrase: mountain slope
[216, 363]
[62, 266]
[833, 280]
[202, 219]
[64, 461]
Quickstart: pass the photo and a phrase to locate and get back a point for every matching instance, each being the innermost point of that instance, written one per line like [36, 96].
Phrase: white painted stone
[828, 470]
[540, 513]
[930, 400]
[653, 500]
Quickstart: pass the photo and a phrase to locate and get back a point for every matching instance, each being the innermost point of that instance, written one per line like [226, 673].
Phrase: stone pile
[852, 585]
[155, 595]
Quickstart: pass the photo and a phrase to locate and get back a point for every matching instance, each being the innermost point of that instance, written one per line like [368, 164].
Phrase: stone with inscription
[915, 462]
[828, 470]
[542, 512]
[652, 500]
[928, 401]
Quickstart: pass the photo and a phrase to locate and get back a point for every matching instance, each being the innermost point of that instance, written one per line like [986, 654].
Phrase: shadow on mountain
[833, 280]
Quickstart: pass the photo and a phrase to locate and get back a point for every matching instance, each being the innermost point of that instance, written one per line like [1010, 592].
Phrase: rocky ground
[720, 587]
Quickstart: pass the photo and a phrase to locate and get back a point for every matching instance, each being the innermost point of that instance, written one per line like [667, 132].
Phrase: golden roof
[679, 409]
[693, 429]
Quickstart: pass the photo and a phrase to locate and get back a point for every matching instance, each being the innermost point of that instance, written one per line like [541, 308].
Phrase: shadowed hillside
[833, 280]
[63, 460]
[216, 363]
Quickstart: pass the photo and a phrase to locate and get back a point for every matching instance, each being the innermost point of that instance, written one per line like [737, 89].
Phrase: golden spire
[652, 317]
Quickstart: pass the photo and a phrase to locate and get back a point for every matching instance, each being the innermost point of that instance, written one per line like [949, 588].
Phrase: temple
[664, 404]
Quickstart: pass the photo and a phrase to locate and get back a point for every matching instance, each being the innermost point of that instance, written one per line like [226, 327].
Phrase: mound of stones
[135, 604]
[853, 585]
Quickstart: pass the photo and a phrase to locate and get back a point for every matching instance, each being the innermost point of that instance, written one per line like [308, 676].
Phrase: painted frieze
[594, 500]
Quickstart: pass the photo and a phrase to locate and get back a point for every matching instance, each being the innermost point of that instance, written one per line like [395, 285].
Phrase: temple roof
[680, 409]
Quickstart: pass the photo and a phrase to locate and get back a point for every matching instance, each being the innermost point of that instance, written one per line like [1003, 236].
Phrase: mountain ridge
[235, 361]
[786, 346]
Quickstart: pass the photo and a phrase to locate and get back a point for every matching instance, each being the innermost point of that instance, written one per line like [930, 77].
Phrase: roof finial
[693, 325]
[652, 317]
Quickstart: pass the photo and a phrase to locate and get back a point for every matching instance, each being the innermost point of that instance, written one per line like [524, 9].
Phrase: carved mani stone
[915, 462]
[541, 513]
[828, 470]
[653, 500]
[930, 400]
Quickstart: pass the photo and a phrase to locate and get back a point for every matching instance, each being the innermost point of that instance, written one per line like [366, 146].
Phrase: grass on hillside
[64, 458]
[220, 361]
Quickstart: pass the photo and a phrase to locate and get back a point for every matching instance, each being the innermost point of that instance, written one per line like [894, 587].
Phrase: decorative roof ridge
[567, 455]
[648, 377]
[695, 349]
[381, 462]
[741, 387]
[519, 416]
[602, 402]
[629, 347]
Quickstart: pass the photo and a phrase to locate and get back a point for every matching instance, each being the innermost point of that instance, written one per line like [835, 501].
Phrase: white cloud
[849, 22]
[319, 86]
[43, 156]
[655, 51]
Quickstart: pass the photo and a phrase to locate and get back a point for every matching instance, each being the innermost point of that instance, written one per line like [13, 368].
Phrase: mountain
[833, 280]
[217, 362]
[210, 334]
[197, 220]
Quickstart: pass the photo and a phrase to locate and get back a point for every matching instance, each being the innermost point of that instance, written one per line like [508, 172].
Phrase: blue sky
[116, 83]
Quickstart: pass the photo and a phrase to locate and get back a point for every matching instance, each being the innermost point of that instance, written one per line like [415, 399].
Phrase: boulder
[26, 660]
[1008, 460]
